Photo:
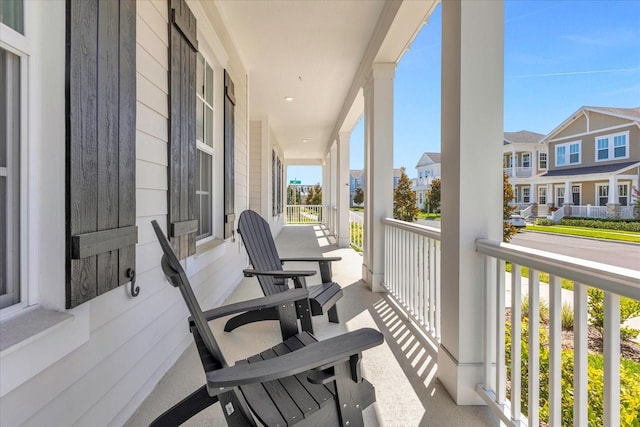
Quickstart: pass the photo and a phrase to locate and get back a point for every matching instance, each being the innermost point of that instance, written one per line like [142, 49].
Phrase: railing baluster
[580, 355]
[437, 284]
[516, 336]
[501, 370]
[555, 348]
[611, 359]
[489, 326]
[534, 346]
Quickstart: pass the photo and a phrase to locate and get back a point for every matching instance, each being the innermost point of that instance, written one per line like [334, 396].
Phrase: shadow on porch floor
[403, 369]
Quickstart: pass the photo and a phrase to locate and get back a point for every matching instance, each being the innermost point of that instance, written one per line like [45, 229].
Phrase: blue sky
[559, 56]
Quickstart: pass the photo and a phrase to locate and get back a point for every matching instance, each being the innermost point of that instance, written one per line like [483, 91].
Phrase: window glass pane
[620, 146]
[203, 194]
[574, 156]
[199, 76]
[12, 14]
[208, 122]
[209, 86]
[199, 120]
[560, 155]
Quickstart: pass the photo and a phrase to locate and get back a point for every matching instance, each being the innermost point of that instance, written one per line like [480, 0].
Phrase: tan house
[594, 163]
[524, 159]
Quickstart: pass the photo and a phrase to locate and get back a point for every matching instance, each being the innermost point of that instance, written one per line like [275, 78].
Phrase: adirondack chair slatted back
[176, 276]
[263, 255]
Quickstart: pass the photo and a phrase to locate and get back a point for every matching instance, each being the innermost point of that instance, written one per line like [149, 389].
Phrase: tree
[404, 199]
[314, 196]
[293, 195]
[358, 197]
[432, 202]
[508, 207]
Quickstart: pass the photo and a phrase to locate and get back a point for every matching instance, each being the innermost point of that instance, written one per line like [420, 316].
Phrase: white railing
[412, 271]
[521, 205]
[526, 212]
[589, 211]
[356, 230]
[304, 214]
[614, 281]
[521, 172]
[626, 212]
[556, 216]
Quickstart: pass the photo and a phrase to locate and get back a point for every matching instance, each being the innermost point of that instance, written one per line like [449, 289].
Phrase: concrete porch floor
[403, 369]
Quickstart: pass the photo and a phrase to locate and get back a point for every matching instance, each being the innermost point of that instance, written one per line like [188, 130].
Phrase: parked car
[517, 221]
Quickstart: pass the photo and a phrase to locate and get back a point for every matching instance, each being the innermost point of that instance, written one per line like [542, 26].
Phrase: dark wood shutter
[229, 147]
[100, 147]
[183, 48]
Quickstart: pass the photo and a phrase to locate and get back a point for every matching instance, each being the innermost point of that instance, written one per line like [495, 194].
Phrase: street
[620, 254]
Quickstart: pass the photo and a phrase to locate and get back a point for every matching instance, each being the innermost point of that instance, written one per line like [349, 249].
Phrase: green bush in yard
[619, 224]
[545, 222]
[629, 382]
[629, 308]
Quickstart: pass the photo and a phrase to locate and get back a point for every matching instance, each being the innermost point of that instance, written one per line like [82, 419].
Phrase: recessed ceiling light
[305, 140]
[288, 98]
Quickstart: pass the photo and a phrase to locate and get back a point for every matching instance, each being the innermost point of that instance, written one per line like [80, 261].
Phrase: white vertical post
[343, 189]
[516, 337]
[611, 359]
[555, 348]
[378, 153]
[333, 197]
[613, 189]
[534, 348]
[472, 145]
[580, 404]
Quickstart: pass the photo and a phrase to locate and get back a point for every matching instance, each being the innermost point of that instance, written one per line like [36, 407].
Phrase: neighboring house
[594, 163]
[427, 169]
[356, 180]
[524, 159]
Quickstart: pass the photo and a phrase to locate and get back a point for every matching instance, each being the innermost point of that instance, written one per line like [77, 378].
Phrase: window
[559, 196]
[603, 195]
[623, 194]
[542, 161]
[526, 196]
[568, 154]
[611, 147]
[204, 148]
[10, 123]
[12, 14]
[526, 160]
[542, 195]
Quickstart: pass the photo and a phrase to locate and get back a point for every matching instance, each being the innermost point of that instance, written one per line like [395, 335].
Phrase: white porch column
[568, 196]
[333, 200]
[325, 188]
[344, 139]
[472, 135]
[533, 195]
[613, 190]
[551, 196]
[378, 169]
[514, 163]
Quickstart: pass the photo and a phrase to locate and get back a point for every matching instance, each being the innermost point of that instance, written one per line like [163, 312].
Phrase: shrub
[628, 308]
[620, 224]
[544, 222]
[566, 317]
[543, 306]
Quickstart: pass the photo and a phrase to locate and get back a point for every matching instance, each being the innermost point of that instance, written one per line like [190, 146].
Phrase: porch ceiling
[319, 53]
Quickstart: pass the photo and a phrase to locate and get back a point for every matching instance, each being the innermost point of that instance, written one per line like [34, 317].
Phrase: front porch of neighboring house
[579, 194]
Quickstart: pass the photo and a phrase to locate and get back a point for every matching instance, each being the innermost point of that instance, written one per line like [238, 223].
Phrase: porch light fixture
[288, 98]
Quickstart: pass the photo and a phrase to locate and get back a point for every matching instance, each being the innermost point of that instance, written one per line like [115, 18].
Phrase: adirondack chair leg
[251, 317]
[185, 409]
[303, 310]
[333, 314]
[348, 396]
[288, 320]
[325, 271]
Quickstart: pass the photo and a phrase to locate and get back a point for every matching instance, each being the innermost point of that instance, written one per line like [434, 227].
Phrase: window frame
[541, 161]
[567, 154]
[202, 147]
[18, 44]
[542, 194]
[611, 147]
[602, 188]
[526, 157]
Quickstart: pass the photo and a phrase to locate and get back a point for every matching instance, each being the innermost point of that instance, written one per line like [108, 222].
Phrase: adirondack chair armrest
[257, 303]
[324, 263]
[285, 274]
[321, 354]
[311, 259]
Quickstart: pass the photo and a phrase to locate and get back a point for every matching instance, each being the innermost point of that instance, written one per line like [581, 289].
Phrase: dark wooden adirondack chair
[299, 381]
[267, 266]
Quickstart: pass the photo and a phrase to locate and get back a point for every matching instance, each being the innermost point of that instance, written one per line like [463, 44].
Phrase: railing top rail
[619, 280]
[422, 230]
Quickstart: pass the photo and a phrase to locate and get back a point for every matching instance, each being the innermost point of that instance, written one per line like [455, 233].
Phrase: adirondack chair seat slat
[264, 258]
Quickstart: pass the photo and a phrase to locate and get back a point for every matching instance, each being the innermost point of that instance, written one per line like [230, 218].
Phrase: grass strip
[623, 236]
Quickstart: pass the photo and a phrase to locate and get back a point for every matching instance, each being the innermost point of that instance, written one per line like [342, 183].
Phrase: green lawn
[625, 236]
[424, 215]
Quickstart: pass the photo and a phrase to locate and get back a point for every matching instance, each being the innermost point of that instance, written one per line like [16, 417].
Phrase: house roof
[429, 159]
[606, 168]
[522, 137]
[631, 114]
